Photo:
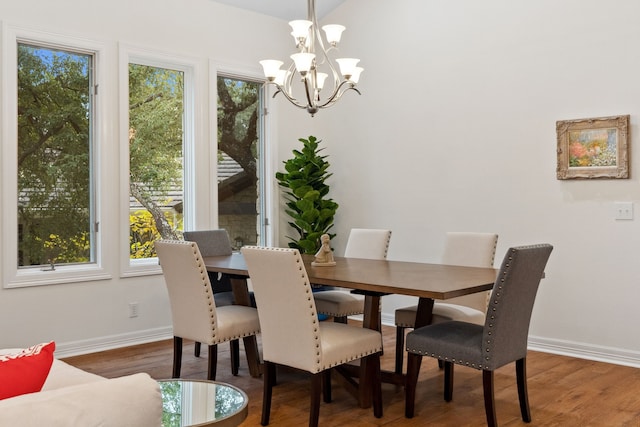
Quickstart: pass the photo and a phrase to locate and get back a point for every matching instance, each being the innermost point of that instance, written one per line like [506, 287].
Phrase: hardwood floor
[563, 391]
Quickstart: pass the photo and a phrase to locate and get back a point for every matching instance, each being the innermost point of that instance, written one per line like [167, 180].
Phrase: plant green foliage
[143, 233]
[310, 209]
[58, 250]
[226, 401]
[171, 403]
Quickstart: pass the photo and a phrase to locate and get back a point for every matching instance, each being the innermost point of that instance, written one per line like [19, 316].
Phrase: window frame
[193, 142]
[14, 277]
[267, 149]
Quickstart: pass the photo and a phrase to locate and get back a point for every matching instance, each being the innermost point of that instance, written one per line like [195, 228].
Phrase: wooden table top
[436, 281]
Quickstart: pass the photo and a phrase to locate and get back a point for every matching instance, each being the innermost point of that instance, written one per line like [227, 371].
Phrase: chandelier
[312, 66]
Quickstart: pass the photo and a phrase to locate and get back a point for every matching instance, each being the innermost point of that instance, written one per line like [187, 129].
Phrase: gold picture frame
[593, 148]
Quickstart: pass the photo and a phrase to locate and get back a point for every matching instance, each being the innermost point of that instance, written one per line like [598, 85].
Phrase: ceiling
[284, 9]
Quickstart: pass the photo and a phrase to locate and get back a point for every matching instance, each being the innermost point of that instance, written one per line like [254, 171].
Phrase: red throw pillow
[26, 371]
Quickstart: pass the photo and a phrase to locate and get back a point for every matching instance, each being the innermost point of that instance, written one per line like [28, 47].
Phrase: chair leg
[448, 381]
[213, 362]
[177, 356]
[399, 348]
[523, 395]
[489, 402]
[196, 350]
[234, 349]
[413, 369]
[326, 385]
[269, 379]
[340, 319]
[314, 411]
[373, 372]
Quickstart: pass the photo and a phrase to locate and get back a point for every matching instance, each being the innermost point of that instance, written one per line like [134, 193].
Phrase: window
[55, 208]
[156, 114]
[159, 138]
[241, 197]
[49, 220]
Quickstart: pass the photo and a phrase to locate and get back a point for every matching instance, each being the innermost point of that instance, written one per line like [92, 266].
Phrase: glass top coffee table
[202, 403]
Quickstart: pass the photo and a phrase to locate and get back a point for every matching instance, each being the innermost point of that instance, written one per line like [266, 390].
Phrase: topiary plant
[306, 199]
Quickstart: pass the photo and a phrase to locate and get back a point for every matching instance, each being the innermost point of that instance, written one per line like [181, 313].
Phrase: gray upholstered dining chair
[293, 336]
[194, 313]
[501, 340]
[469, 249]
[365, 243]
[214, 243]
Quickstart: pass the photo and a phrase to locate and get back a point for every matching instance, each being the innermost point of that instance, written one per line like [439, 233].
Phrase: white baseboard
[612, 355]
[616, 356]
[93, 345]
[579, 350]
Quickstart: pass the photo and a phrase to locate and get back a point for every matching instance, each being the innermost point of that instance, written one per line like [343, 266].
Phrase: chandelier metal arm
[286, 95]
[314, 106]
[338, 94]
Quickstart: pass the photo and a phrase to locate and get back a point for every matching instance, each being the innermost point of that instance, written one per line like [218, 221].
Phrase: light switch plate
[623, 210]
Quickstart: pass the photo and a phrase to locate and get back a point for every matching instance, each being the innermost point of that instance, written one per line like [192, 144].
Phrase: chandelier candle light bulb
[320, 78]
[311, 58]
[356, 74]
[303, 62]
[271, 68]
[334, 33]
[347, 66]
[300, 31]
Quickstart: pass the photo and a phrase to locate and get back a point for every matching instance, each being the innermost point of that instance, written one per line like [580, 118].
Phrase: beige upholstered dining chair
[461, 248]
[365, 243]
[217, 243]
[293, 336]
[194, 313]
[502, 338]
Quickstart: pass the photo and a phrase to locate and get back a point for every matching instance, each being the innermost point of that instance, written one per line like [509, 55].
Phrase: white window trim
[12, 276]
[195, 132]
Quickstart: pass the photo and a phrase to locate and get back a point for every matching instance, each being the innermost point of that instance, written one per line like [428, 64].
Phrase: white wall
[82, 317]
[455, 131]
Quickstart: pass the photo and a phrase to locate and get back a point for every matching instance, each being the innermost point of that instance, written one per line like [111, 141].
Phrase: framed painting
[593, 148]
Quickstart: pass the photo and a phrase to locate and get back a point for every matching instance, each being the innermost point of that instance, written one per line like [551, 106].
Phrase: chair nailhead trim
[487, 357]
[447, 359]
[320, 367]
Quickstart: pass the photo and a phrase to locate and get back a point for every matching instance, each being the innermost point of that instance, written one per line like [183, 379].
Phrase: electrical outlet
[624, 210]
[133, 309]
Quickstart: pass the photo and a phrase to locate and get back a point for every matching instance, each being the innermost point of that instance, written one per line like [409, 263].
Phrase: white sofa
[72, 397]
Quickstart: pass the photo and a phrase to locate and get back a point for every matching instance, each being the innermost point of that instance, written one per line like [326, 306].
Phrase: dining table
[373, 279]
